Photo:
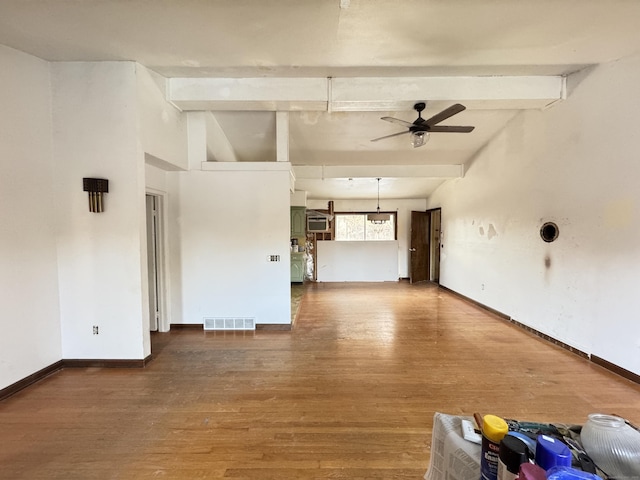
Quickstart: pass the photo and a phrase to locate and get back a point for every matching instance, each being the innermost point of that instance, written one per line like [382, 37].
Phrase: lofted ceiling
[332, 68]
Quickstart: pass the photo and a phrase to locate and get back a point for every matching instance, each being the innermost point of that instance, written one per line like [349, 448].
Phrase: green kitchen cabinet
[297, 267]
[298, 221]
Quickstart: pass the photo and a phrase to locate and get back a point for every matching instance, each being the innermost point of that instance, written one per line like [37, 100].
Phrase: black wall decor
[96, 188]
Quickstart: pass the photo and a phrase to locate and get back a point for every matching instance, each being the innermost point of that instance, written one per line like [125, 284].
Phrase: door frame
[162, 259]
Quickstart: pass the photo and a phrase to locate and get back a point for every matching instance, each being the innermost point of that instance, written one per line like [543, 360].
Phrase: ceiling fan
[421, 128]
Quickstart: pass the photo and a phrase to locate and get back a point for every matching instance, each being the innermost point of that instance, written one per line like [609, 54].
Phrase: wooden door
[434, 248]
[419, 247]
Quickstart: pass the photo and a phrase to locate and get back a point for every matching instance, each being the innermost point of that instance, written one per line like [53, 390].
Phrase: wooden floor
[350, 393]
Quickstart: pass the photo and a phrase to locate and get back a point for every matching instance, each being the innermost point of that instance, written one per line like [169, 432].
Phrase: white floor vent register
[222, 323]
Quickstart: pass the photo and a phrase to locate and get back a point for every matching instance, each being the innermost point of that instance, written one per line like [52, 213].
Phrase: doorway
[424, 250]
[155, 264]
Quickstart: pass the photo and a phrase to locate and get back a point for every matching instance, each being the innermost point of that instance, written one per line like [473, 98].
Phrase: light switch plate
[469, 433]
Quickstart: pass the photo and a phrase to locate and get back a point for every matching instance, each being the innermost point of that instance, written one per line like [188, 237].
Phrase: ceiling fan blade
[398, 121]
[389, 136]
[452, 129]
[446, 113]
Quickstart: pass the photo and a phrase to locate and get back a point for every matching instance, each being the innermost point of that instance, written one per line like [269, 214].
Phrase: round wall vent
[549, 232]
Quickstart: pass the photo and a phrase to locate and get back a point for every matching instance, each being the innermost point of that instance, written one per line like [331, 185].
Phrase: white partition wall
[357, 261]
[229, 224]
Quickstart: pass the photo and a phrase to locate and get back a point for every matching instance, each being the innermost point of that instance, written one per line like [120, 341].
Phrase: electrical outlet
[273, 258]
[95, 330]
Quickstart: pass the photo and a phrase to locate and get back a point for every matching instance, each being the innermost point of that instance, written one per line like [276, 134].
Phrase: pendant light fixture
[378, 218]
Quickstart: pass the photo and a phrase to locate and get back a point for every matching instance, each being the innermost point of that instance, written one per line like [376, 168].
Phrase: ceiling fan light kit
[421, 129]
[419, 138]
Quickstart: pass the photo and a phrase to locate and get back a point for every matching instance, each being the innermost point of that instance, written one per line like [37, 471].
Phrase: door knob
[412, 249]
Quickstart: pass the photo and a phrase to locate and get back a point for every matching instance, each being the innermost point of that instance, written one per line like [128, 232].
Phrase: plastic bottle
[551, 452]
[530, 471]
[513, 453]
[528, 441]
[569, 473]
[493, 431]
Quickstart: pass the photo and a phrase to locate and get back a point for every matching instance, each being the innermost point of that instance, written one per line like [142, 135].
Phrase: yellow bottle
[493, 430]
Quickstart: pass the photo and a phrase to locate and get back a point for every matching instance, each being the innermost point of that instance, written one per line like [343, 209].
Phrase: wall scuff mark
[492, 231]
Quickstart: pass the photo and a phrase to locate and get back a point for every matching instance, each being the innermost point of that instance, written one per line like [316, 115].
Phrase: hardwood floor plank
[350, 392]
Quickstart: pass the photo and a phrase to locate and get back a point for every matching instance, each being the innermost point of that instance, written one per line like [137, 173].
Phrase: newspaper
[452, 457]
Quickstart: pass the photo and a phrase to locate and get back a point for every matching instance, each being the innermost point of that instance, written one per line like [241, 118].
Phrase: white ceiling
[382, 56]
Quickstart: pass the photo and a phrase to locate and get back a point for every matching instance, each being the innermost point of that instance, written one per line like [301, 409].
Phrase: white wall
[218, 147]
[403, 207]
[101, 255]
[30, 318]
[299, 198]
[224, 225]
[155, 179]
[357, 261]
[163, 136]
[162, 127]
[575, 164]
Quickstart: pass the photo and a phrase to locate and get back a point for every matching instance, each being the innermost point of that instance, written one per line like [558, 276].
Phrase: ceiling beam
[255, 94]
[311, 172]
[401, 93]
[364, 93]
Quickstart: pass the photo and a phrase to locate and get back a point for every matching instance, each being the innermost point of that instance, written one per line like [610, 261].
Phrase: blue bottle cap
[551, 452]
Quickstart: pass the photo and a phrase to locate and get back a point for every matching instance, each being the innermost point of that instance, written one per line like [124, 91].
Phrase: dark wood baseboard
[259, 326]
[549, 338]
[612, 367]
[615, 369]
[476, 303]
[30, 380]
[70, 363]
[281, 327]
[100, 363]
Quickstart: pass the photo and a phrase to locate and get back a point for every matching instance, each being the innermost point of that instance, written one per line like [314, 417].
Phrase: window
[355, 226]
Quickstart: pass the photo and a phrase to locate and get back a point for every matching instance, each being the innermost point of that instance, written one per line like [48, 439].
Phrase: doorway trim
[162, 266]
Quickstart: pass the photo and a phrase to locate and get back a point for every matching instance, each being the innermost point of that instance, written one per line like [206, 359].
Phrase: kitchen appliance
[317, 224]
